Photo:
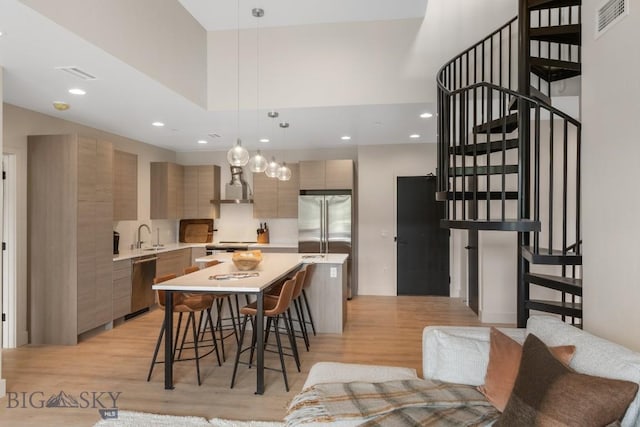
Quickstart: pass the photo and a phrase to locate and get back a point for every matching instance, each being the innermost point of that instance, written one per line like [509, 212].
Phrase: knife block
[263, 237]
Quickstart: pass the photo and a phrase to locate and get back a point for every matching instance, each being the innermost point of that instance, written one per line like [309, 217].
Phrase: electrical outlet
[333, 272]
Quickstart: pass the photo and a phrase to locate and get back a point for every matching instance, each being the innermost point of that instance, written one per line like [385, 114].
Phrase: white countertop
[135, 253]
[273, 267]
[304, 258]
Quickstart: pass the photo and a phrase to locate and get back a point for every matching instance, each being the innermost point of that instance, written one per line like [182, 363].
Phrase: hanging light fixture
[272, 168]
[284, 173]
[258, 163]
[238, 155]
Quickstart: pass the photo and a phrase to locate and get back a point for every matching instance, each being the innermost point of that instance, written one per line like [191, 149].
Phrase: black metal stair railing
[480, 148]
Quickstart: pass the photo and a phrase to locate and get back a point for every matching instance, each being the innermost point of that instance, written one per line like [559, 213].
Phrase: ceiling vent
[214, 135]
[610, 13]
[77, 73]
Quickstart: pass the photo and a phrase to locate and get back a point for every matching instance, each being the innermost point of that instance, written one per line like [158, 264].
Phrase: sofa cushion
[548, 393]
[504, 361]
[333, 372]
[594, 356]
[464, 370]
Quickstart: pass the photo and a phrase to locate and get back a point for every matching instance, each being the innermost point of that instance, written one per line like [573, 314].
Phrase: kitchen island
[327, 293]
[272, 269]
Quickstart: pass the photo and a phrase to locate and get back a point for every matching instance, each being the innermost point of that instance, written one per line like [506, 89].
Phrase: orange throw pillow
[504, 362]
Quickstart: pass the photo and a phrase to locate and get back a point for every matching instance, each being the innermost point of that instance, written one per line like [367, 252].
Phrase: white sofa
[461, 354]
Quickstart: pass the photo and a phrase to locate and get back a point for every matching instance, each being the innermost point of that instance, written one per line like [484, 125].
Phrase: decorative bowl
[247, 260]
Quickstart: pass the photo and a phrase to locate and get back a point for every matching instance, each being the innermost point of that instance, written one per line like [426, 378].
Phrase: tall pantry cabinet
[70, 220]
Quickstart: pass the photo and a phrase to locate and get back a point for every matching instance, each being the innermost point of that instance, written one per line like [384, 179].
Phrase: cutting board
[196, 230]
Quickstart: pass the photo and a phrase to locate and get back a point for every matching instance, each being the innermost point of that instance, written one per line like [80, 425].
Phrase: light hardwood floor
[380, 330]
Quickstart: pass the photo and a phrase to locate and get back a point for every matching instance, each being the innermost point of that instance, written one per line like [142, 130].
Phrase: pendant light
[258, 163]
[238, 155]
[283, 173]
[272, 168]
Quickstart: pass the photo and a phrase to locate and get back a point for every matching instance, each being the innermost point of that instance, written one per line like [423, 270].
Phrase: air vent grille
[214, 135]
[609, 13]
[77, 73]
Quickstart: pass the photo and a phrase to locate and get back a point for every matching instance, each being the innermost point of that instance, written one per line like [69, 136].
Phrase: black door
[472, 257]
[423, 246]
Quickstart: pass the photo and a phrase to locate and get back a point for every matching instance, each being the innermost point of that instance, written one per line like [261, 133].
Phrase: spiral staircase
[510, 161]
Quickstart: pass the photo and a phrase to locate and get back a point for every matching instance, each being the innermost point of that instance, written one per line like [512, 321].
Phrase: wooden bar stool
[274, 309]
[184, 303]
[297, 306]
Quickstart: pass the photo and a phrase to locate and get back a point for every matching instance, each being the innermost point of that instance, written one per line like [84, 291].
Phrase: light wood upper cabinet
[265, 196]
[288, 192]
[326, 175]
[167, 194]
[273, 198]
[125, 186]
[201, 185]
[70, 213]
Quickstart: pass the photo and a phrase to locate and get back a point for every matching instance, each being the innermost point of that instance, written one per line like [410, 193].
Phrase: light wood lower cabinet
[173, 262]
[70, 220]
[197, 253]
[121, 288]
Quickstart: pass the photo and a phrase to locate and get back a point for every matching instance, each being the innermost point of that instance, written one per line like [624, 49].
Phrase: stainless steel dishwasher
[143, 272]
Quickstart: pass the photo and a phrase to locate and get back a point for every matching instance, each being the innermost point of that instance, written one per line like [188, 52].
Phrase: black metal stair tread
[533, 93]
[482, 170]
[553, 69]
[551, 4]
[493, 225]
[559, 283]
[479, 195]
[569, 34]
[484, 147]
[556, 307]
[555, 257]
[505, 124]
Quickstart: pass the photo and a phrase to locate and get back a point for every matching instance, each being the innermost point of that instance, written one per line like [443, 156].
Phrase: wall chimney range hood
[237, 191]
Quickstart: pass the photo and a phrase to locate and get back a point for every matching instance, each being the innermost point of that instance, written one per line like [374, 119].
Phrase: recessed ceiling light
[345, 138]
[77, 91]
[426, 115]
[2, 33]
[414, 136]
[158, 124]
[203, 141]
[61, 106]
[264, 140]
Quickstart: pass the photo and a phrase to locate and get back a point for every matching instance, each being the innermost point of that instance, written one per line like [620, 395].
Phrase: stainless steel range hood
[237, 191]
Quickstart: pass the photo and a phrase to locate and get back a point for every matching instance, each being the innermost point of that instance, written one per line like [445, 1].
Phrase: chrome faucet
[139, 242]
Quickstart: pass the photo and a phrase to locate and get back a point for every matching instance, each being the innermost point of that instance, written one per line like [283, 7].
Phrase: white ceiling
[124, 101]
[216, 15]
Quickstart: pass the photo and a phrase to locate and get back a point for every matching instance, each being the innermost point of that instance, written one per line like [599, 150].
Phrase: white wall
[378, 168]
[610, 110]
[158, 37]
[317, 65]
[18, 124]
[3, 384]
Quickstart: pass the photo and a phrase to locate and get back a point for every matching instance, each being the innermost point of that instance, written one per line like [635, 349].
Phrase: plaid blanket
[392, 403]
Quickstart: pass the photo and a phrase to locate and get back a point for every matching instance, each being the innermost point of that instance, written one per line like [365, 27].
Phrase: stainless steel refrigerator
[325, 225]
